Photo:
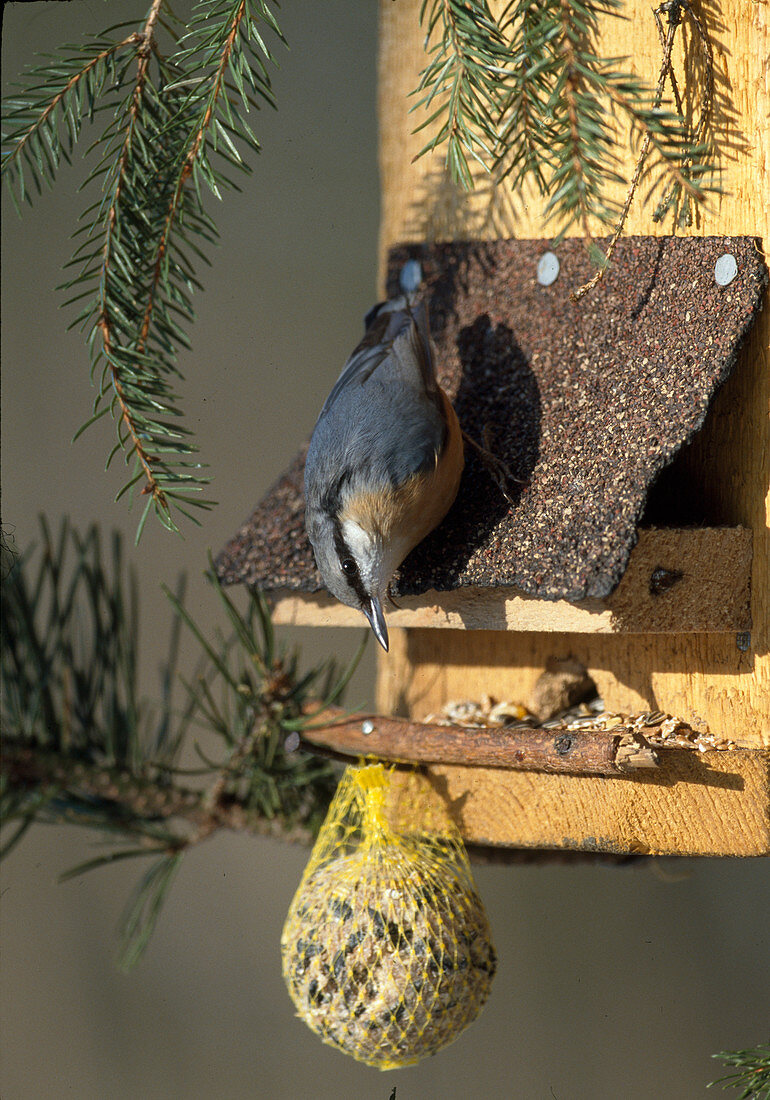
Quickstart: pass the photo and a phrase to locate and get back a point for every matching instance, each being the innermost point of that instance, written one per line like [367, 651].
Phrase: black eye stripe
[353, 578]
[340, 545]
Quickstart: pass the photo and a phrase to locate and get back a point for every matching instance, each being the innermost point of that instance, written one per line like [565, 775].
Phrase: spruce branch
[176, 123]
[460, 85]
[106, 321]
[523, 143]
[81, 747]
[44, 127]
[685, 189]
[532, 88]
[682, 159]
[238, 48]
[752, 1072]
[583, 148]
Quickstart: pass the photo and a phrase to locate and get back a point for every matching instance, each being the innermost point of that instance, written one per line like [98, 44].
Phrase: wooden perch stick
[619, 752]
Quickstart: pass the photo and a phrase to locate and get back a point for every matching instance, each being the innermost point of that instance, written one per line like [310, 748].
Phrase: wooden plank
[677, 581]
[697, 682]
[694, 804]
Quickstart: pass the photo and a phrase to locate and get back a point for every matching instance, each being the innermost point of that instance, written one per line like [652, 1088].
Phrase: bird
[385, 459]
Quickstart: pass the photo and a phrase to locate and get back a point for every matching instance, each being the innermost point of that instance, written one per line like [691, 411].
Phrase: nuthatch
[384, 462]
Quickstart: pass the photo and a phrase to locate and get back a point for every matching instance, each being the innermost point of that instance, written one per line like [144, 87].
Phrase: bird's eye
[349, 567]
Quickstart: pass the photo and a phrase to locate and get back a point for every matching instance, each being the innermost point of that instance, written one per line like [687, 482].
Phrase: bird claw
[498, 470]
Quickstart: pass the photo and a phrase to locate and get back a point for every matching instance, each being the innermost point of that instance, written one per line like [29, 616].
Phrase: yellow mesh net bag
[386, 949]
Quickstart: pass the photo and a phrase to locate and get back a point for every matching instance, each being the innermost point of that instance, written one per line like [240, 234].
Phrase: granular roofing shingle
[585, 402]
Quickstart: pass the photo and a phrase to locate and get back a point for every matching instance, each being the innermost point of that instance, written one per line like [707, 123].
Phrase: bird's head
[357, 562]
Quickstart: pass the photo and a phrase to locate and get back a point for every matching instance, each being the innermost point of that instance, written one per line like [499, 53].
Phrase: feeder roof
[584, 402]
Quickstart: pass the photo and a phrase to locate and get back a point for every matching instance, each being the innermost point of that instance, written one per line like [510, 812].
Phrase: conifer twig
[546, 116]
[185, 172]
[22, 142]
[751, 1072]
[460, 85]
[677, 175]
[142, 796]
[146, 46]
[668, 44]
[82, 748]
[575, 145]
[175, 120]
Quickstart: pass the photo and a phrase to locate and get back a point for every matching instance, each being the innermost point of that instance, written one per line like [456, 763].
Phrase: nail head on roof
[725, 269]
[548, 268]
[410, 276]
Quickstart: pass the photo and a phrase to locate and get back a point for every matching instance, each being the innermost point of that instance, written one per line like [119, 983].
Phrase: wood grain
[419, 204]
[707, 804]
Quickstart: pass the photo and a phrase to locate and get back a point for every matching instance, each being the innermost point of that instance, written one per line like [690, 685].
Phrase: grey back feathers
[384, 419]
[393, 331]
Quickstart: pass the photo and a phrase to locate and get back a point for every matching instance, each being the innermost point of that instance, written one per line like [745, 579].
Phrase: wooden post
[716, 680]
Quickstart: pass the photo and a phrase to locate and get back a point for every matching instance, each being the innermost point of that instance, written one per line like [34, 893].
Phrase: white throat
[377, 560]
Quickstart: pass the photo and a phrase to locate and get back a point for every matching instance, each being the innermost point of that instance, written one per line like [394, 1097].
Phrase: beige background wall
[612, 981]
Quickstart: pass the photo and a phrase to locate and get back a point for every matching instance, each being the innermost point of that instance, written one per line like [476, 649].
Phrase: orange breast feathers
[403, 517]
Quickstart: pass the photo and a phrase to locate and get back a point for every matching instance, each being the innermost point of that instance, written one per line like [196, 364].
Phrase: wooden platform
[695, 804]
[677, 581]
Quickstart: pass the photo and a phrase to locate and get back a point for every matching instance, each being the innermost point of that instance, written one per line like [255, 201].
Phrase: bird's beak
[374, 614]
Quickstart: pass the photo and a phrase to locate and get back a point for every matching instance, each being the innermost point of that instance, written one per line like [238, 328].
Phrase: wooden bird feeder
[634, 425]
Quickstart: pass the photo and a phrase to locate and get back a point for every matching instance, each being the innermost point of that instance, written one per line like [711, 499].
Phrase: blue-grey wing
[385, 418]
[397, 337]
